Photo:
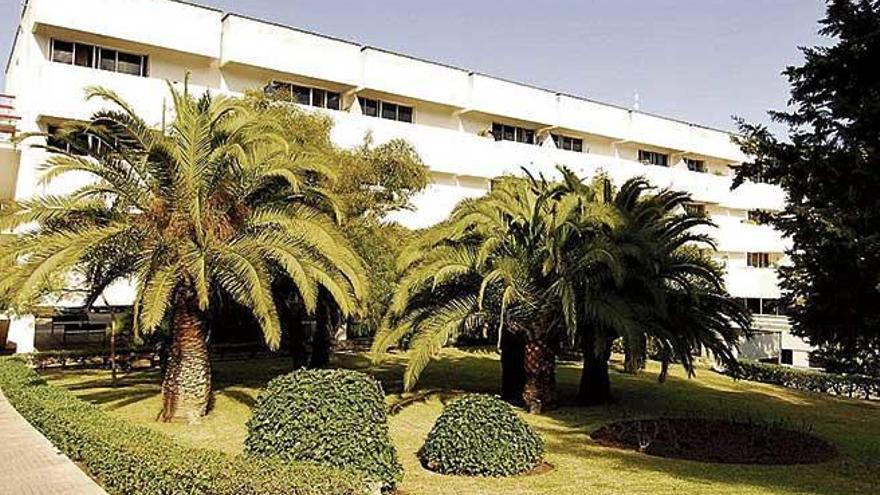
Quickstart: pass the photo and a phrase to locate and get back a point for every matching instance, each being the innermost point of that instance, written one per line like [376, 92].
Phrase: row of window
[568, 143]
[386, 110]
[78, 144]
[758, 260]
[503, 132]
[96, 57]
[304, 95]
[762, 306]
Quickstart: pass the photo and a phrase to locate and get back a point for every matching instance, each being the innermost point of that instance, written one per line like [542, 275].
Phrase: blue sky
[697, 60]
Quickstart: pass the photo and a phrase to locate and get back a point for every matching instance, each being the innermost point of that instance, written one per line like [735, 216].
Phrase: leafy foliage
[130, 459]
[216, 203]
[495, 260]
[329, 417]
[480, 435]
[827, 165]
[859, 386]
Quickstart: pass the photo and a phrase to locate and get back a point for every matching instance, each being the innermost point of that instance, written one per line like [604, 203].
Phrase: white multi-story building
[468, 127]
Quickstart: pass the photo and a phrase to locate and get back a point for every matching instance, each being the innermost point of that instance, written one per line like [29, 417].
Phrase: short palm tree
[216, 202]
[499, 249]
[668, 289]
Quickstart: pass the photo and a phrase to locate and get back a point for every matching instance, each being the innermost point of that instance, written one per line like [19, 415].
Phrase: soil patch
[716, 441]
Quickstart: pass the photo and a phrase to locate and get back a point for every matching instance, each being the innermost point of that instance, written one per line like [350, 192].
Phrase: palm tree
[495, 262]
[216, 202]
[670, 290]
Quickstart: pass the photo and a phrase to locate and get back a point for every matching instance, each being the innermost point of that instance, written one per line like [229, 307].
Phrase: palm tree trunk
[186, 388]
[539, 393]
[635, 349]
[595, 386]
[513, 371]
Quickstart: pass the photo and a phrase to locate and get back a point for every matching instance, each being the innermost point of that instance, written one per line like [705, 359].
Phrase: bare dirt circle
[716, 441]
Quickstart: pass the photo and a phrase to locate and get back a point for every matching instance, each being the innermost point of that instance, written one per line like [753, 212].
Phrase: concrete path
[31, 465]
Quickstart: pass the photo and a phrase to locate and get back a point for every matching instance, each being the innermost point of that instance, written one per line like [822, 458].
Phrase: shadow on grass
[853, 426]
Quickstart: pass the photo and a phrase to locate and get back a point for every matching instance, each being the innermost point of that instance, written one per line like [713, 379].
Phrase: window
[568, 143]
[107, 60]
[512, 133]
[695, 209]
[369, 107]
[79, 145]
[305, 95]
[84, 55]
[62, 52]
[386, 110]
[95, 57]
[389, 111]
[654, 158]
[695, 165]
[758, 260]
[754, 216]
[787, 356]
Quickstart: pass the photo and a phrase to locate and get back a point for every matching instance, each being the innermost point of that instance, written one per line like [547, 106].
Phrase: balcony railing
[8, 119]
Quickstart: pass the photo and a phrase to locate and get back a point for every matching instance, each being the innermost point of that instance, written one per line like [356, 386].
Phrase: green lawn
[580, 466]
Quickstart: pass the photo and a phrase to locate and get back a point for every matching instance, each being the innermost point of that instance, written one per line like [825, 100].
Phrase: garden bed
[716, 441]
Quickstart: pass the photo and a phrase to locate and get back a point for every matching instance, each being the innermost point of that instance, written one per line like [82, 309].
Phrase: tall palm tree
[670, 291]
[216, 202]
[500, 249]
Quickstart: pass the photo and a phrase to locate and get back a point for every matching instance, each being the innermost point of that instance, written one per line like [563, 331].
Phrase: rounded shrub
[480, 435]
[334, 418]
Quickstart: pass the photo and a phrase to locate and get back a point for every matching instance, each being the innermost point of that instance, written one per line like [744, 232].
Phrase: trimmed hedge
[335, 418]
[480, 435]
[130, 459]
[855, 386]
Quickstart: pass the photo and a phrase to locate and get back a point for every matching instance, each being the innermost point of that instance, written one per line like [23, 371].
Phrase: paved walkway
[31, 465]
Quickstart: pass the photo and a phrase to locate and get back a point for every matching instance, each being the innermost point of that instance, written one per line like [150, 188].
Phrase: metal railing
[8, 119]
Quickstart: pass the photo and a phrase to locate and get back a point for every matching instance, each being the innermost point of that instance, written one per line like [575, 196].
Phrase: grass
[581, 467]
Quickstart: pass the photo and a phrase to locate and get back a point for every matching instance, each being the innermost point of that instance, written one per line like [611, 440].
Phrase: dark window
[404, 113]
[333, 100]
[370, 107]
[753, 304]
[497, 131]
[62, 52]
[695, 165]
[787, 356]
[75, 145]
[302, 95]
[92, 56]
[319, 98]
[389, 111]
[758, 260]
[568, 143]
[129, 64]
[512, 133]
[84, 56]
[695, 209]
[107, 60]
[653, 158]
[754, 216]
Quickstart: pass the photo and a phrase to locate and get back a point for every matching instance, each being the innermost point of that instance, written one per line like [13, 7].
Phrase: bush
[330, 417]
[480, 435]
[858, 386]
[131, 459]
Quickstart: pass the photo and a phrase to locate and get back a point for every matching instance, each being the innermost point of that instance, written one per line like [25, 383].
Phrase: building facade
[468, 127]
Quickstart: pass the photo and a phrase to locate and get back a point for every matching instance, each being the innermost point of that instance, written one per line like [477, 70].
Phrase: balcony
[459, 153]
[62, 90]
[9, 153]
[8, 119]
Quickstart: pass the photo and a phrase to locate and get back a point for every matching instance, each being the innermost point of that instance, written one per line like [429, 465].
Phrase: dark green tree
[828, 167]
